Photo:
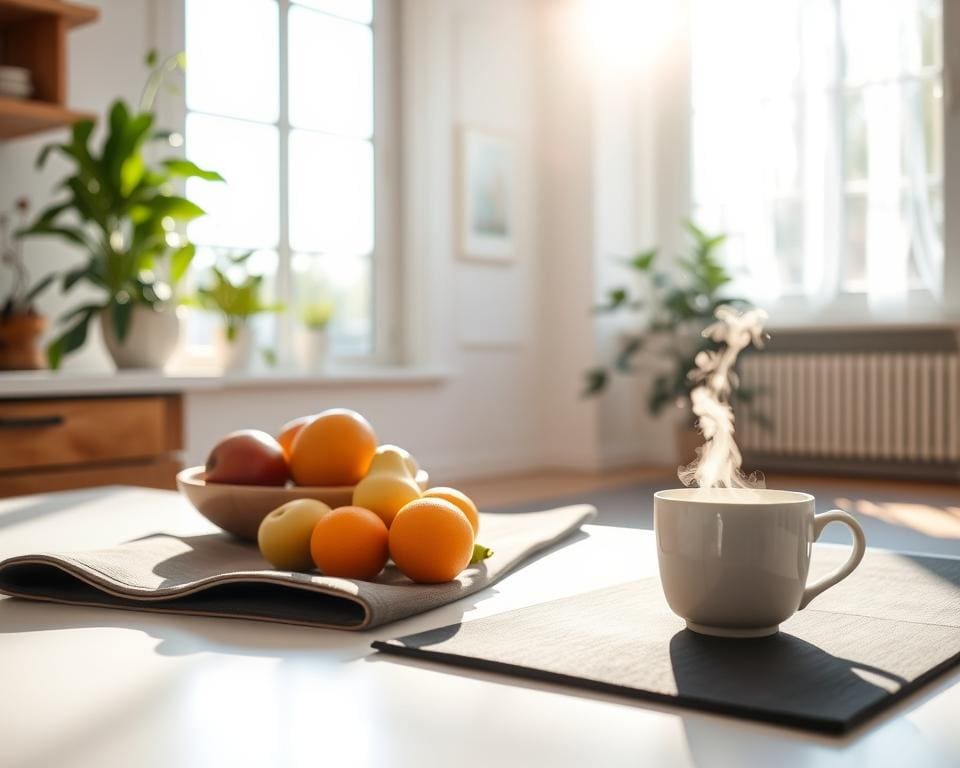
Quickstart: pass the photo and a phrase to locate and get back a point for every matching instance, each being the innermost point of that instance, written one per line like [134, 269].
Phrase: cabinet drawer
[62, 432]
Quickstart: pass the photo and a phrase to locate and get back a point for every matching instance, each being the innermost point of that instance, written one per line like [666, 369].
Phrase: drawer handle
[28, 422]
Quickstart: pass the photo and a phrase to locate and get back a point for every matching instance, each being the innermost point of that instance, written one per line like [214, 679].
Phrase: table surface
[98, 687]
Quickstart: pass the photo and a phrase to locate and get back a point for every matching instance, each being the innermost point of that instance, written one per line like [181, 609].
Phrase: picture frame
[487, 195]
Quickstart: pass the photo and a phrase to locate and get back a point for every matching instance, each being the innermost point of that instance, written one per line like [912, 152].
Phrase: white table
[98, 687]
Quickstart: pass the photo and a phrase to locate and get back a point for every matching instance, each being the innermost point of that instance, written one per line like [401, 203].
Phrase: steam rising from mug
[718, 460]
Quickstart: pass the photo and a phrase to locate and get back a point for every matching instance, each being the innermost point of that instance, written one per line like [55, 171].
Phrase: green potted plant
[21, 326]
[122, 210]
[237, 301]
[678, 307]
[314, 347]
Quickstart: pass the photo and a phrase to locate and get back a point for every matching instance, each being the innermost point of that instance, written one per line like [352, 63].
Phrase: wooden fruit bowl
[239, 509]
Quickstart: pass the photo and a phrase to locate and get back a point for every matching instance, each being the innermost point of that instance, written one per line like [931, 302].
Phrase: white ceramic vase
[237, 353]
[313, 349]
[150, 341]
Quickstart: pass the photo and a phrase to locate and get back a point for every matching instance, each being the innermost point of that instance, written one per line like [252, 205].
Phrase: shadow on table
[780, 678]
[722, 740]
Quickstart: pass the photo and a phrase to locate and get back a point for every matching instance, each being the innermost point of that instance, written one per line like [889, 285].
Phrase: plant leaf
[616, 298]
[186, 169]
[74, 276]
[643, 261]
[624, 361]
[45, 153]
[39, 288]
[120, 316]
[180, 262]
[82, 309]
[69, 341]
[72, 234]
[596, 382]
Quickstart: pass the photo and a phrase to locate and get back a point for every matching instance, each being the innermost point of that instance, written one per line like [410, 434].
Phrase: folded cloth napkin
[219, 575]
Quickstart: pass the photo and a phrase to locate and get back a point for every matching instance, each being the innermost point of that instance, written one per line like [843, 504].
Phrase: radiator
[866, 402]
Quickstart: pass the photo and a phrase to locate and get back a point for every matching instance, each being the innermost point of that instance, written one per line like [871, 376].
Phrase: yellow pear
[388, 485]
[412, 466]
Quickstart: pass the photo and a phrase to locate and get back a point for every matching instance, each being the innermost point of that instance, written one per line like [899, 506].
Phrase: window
[280, 101]
[817, 142]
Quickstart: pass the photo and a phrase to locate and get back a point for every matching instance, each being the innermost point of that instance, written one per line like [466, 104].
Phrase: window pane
[243, 211]
[331, 74]
[930, 21]
[331, 193]
[856, 137]
[788, 236]
[344, 280]
[232, 60]
[856, 245]
[355, 10]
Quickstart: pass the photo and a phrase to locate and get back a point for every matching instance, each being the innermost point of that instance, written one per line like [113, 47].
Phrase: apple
[247, 457]
[284, 535]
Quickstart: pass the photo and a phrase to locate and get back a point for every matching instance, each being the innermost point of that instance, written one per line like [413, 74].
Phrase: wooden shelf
[20, 117]
[16, 11]
[33, 35]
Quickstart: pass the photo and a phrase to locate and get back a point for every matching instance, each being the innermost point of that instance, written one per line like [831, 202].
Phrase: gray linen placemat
[893, 625]
[219, 575]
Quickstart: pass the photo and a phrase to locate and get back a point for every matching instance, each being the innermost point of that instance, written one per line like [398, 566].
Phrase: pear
[388, 484]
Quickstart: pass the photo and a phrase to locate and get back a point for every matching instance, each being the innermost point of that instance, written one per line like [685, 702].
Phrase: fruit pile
[430, 535]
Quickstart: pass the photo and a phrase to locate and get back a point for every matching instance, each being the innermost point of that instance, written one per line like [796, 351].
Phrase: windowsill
[846, 311]
[19, 384]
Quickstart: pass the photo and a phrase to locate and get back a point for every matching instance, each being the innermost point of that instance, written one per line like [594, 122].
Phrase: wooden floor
[929, 508]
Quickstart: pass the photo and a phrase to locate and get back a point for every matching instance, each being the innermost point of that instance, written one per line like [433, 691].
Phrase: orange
[289, 431]
[350, 542]
[431, 541]
[335, 448]
[460, 500]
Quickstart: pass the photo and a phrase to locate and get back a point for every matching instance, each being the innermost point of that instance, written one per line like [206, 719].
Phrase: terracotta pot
[19, 342]
[150, 341]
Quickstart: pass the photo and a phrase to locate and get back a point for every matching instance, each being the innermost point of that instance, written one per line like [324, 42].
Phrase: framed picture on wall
[487, 197]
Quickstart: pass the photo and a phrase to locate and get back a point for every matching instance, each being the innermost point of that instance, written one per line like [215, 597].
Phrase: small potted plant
[122, 211]
[21, 326]
[314, 337]
[236, 300]
[679, 307]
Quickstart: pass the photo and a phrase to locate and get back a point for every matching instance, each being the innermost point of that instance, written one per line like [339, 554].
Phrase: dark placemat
[885, 631]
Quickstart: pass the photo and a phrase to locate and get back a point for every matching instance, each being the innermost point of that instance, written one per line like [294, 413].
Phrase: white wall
[515, 337]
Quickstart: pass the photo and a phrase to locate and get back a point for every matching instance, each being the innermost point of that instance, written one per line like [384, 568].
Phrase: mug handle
[859, 545]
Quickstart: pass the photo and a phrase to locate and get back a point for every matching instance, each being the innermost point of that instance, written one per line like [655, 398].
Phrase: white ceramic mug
[734, 562]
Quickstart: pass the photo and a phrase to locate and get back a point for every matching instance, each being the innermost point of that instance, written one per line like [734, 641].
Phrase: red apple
[247, 457]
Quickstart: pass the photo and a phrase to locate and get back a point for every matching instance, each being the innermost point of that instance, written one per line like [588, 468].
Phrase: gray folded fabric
[219, 575]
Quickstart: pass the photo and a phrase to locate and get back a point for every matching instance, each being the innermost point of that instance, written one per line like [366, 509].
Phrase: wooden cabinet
[33, 35]
[58, 443]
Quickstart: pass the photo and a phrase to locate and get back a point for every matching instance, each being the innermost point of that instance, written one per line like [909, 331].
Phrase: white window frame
[169, 36]
[674, 138]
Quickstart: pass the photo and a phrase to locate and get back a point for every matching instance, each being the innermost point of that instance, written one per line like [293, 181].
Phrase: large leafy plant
[237, 300]
[678, 306]
[123, 211]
